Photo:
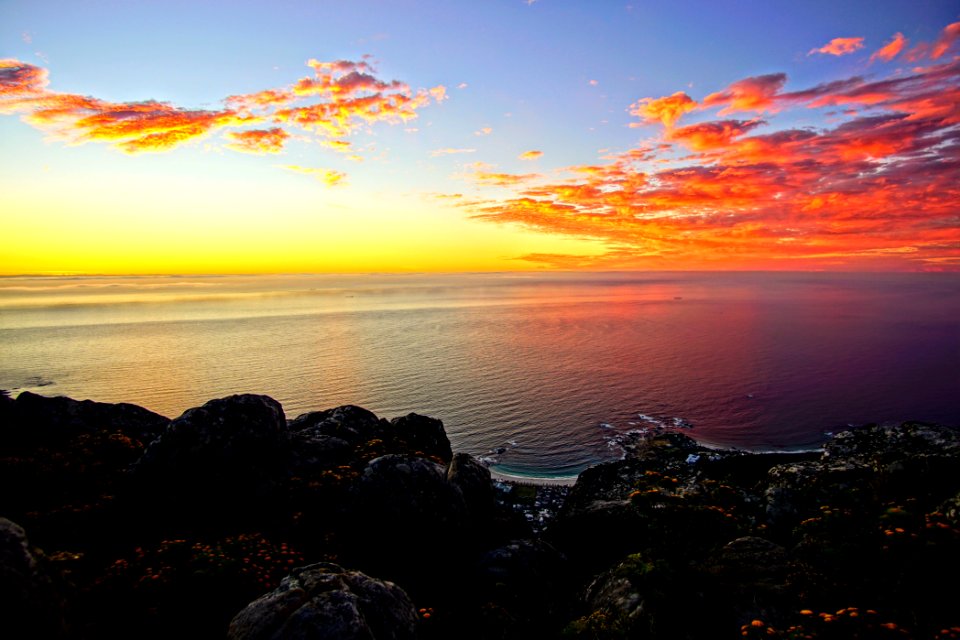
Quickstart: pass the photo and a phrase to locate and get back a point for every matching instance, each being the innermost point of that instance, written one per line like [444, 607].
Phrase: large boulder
[36, 420]
[221, 458]
[474, 482]
[323, 439]
[405, 521]
[67, 458]
[422, 435]
[407, 492]
[349, 423]
[326, 601]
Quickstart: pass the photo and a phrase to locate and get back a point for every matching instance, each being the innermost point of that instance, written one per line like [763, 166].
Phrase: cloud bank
[878, 187]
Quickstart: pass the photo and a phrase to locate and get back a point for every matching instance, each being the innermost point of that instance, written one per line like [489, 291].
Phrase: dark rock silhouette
[220, 462]
[422, 434]
[149, 527]
[31, 606]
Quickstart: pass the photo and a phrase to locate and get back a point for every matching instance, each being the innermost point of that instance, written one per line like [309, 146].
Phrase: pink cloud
[890, 50]
[946, 40]
[839, 47]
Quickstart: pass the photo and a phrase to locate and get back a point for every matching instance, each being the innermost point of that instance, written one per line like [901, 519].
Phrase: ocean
[540, 374]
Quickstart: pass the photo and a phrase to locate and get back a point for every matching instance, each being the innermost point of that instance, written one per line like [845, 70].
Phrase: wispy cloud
[530, 155]
[340, 98]
[328, 177]
[482, 174]
[449, 151]
[839, 47]
[342, 146]
[876, 189]
[483, 131]
[950, 35]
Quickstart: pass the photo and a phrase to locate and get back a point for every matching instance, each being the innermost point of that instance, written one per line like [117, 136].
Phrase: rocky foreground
[232, 521]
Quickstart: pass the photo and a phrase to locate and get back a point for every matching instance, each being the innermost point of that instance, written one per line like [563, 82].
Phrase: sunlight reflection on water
[524, 368]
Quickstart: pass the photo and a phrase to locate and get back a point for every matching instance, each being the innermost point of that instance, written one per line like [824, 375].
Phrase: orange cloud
[877, 190]
[839, 47]
[890, 50]
[342, 97]
[258, 140]
[712, 135]
[667, 109]
[329, 177]
[756, 94]
[483, 131]
[530, 155]
[950, 35]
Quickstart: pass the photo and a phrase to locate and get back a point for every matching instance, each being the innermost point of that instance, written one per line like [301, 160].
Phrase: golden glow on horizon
[177, 229]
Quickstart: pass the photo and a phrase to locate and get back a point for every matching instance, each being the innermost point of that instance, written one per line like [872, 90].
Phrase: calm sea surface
[540, 373]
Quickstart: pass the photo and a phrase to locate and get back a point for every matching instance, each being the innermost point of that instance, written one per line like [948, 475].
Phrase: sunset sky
[322, 136]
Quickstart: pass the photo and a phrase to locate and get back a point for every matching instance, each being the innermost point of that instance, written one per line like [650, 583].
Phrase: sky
[395, 136]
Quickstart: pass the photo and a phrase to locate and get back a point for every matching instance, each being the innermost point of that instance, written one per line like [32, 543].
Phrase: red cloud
[950, 35]
[839, 47]
[258, 140]
[343, 97]
[756, 94]
[890, 50]
[667, 109]
[712, 135]
[879, 189]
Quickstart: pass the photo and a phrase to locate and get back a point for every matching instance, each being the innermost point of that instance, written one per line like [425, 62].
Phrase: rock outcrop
[768, 545]
[326, 601]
